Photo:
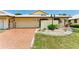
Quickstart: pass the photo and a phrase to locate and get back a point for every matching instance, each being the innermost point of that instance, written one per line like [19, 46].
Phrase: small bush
[52, 26]
[75, 25]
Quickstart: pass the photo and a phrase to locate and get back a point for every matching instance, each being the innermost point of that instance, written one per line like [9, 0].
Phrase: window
[75, 20]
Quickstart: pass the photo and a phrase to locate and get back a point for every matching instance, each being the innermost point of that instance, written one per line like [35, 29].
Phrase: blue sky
[70, 12]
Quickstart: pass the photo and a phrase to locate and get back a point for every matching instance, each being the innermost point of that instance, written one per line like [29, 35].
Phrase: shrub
[75, 25]
[52, 26]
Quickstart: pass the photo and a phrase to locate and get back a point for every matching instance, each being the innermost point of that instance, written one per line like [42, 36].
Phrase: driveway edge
[33, 39]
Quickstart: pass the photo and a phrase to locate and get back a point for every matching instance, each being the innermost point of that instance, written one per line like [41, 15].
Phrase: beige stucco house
[74, 19]
[38, 19]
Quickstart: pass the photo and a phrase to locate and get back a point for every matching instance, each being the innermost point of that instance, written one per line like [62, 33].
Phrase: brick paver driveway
[16, 38]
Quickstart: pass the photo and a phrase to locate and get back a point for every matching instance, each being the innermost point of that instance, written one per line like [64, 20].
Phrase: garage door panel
[27, 23]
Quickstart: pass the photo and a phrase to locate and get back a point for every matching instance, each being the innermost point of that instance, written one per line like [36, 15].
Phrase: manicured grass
[57, 42]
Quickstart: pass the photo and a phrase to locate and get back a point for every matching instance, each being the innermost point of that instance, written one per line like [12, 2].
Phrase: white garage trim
[1, 24]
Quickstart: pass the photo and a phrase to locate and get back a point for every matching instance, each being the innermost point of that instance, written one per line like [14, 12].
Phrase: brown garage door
[27, 23]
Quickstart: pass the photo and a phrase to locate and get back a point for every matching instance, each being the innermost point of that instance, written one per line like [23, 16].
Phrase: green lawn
[57, 42]
[1, 30]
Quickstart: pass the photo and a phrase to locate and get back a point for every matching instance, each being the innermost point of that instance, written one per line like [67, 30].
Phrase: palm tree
[52, 18]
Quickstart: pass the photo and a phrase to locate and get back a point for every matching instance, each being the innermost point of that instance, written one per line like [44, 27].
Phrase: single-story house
[74, 19]
[37, 19]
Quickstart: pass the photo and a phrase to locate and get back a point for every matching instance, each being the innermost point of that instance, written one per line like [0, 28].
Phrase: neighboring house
[74, 19]
[4, 19]
[38, 19]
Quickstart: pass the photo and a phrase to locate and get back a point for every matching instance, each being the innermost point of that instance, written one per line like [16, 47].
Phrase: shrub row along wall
[74, 25]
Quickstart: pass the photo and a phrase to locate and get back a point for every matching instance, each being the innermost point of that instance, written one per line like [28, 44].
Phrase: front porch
[58, 21]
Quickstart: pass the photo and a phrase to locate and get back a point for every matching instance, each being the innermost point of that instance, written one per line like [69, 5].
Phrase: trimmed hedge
[52, 26]
[75, 25]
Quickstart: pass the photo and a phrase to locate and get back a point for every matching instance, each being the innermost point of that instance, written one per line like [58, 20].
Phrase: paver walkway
[16, 38]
